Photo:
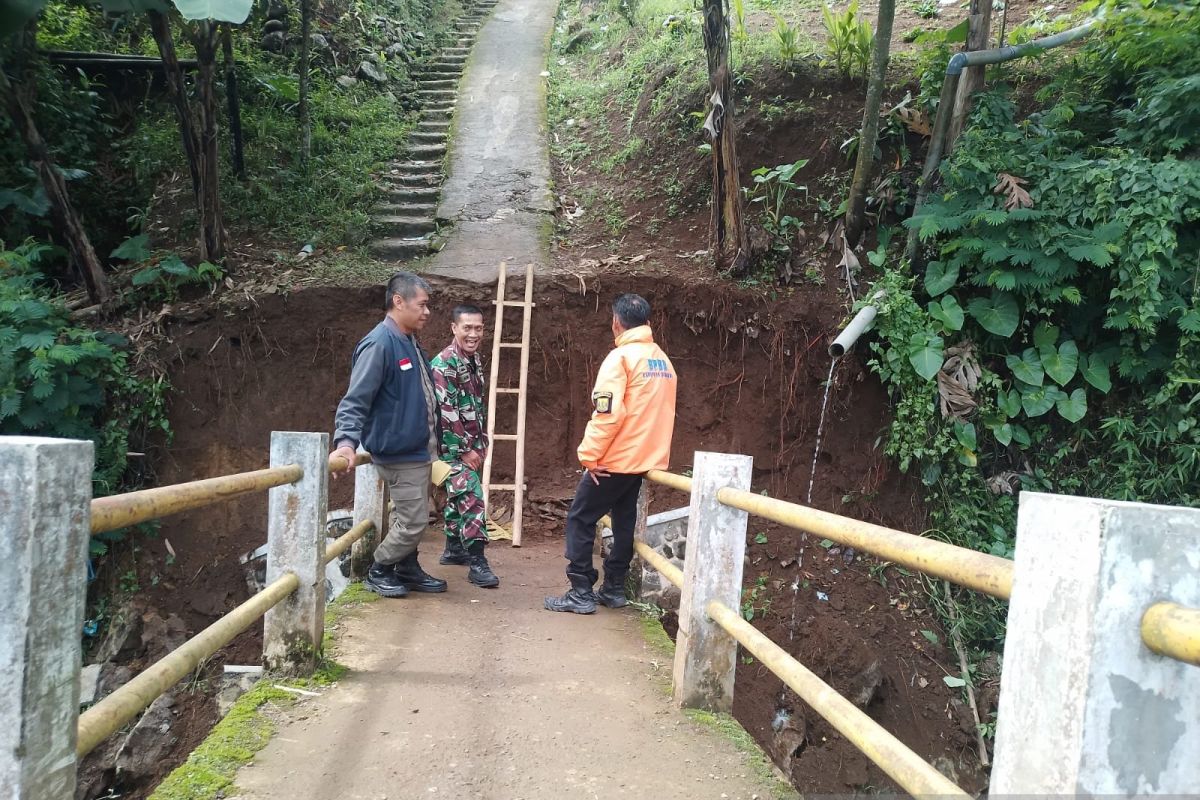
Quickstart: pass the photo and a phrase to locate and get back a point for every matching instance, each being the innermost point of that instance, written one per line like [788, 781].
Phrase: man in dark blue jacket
[390, 409]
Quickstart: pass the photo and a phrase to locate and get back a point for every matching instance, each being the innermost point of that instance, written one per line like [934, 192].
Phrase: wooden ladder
[517, 487]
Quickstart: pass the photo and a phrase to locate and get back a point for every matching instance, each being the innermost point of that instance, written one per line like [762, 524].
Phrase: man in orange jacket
[629, 433]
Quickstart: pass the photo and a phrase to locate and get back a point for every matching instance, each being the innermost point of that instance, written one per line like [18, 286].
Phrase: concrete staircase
[405, 222]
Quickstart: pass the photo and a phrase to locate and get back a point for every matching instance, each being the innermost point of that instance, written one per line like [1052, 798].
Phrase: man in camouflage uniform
[459, 384]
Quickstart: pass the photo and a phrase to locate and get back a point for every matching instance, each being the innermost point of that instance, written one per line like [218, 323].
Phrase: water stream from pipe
[782, 714]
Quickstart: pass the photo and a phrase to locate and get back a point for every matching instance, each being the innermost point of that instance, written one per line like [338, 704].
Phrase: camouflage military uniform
[458, 381]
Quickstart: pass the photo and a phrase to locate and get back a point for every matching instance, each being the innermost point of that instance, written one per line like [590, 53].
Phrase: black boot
[381, 579]
[408, 571]
[579, 599]
[612, 593]
[454, 553]
[480, 572]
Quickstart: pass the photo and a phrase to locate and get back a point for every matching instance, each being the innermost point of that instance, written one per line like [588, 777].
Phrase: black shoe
[454, 554]
[481, 573]
[381, 579]
[612, 596]
[408, 571]
[577, 601]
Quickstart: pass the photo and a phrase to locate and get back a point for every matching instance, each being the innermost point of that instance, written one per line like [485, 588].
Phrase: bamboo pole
[680, 482]
[122, 510]
[338, 463]
[343, 542]
[494, 375]
[522, 400]
[119, 708]
[913, 773]
[655, 559]
[984, 573]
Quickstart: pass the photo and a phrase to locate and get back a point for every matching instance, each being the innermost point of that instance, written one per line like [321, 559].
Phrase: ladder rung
[514, 304]
[503, 487]
[512, 344]
[503, 390]
[505, 437]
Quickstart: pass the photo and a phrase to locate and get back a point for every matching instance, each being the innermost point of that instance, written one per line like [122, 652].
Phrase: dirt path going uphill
[482, 694]
[497, 194]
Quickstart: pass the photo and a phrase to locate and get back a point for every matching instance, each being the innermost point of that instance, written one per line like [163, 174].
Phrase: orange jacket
[634, 401]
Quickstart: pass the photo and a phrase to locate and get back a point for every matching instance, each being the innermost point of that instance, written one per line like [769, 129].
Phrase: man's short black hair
[463, 310]
[631, 310]
[406, 285]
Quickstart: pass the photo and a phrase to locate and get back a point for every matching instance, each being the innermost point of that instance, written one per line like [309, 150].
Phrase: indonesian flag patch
[404, 364]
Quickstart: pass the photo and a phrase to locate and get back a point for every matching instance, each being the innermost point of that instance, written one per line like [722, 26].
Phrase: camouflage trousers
[465, 514]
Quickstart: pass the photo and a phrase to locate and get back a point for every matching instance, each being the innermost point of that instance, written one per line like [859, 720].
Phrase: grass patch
[763, 769]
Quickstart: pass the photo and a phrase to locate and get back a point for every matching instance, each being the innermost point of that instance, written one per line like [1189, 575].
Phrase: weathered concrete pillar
[293, 630]
[370, 502]
[1085, 707]
[45, 524]
[705, 655]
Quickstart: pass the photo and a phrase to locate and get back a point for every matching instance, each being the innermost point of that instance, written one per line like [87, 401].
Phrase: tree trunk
[856, 209]
[978, 31]
[212, 222]
[67, 223]
[727, 229]
[160, 27]
[237, 155]
[305, 120]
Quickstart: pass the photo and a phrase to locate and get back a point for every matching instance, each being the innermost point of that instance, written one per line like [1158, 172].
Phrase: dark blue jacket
[384, 409]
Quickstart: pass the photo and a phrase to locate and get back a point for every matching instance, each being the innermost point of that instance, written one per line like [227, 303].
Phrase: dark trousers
[616, 495]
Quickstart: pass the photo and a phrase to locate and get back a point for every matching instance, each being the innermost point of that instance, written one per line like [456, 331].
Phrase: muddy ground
[751, 374]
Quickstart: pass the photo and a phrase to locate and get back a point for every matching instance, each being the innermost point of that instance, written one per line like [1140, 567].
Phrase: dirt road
[497, 193]
[482, 694]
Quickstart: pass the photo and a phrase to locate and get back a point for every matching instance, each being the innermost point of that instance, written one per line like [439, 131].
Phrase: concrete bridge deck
[483, 694]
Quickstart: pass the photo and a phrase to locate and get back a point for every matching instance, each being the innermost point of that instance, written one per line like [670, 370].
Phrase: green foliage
[65, 381]
[1066, 284]
[755, 600]
[787, 38]
[773, 189]
[849, 40]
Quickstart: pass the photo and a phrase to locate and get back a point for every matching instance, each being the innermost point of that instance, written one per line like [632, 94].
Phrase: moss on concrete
[210, 770]
[764, 769]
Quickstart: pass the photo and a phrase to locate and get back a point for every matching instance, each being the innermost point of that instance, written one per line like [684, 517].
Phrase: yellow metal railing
[1173, 630]
[907, 768]
[109, 513]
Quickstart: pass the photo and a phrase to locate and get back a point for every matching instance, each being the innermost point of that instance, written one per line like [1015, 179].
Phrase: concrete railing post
[370, 502]
[45, 524]
[705, 655]
[1086, 709]
[293, 630]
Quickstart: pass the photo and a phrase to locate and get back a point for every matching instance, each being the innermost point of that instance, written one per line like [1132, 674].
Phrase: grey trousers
[408, 486]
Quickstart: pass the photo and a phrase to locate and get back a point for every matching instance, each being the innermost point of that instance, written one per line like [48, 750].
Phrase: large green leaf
[1095, 372]
[1072, 408]
[174, 265]
[1038, 400]
[234, 11]
[948, 312]
[1045, 335]
[1009, 402]
[939, 277]
[997, 314]
[1004, 434]
[136, 249]
[1062, 363]
[1027, 367]
[925, 354]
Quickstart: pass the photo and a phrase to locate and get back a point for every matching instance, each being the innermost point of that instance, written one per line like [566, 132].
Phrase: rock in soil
[148, 742]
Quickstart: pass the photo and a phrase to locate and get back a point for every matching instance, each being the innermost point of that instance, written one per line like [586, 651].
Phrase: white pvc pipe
[857, 327]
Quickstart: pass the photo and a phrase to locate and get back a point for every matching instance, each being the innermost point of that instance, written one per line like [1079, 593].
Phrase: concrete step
[432, 96]
[440, 75]
[393, 184]
[452, 52]
[404, 210]
[445, 104]
[421, 195]
[427, 151]
[415, 167]
[437, 114]
[428, 137]
[441, 126]
[404, 227]
[401, 248]
[436, 83]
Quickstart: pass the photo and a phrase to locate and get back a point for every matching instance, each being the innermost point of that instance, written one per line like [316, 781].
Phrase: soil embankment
[750, 381]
